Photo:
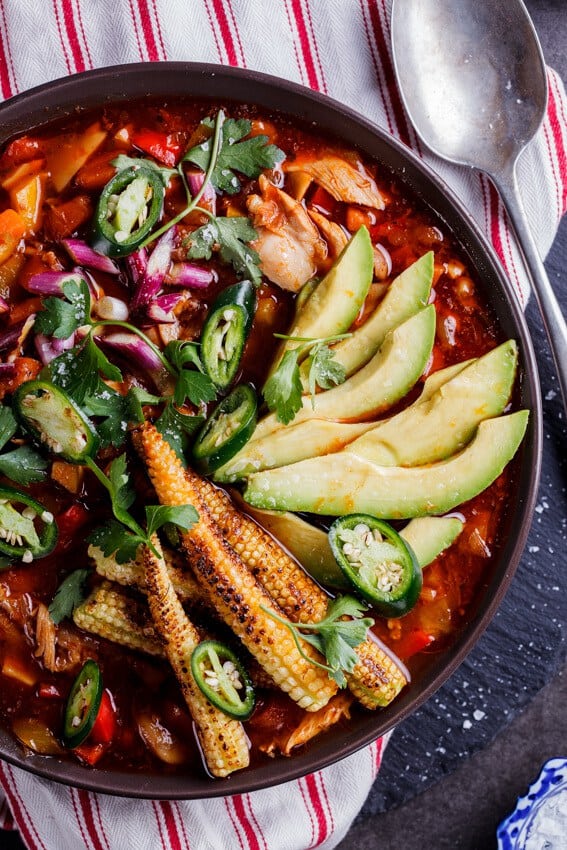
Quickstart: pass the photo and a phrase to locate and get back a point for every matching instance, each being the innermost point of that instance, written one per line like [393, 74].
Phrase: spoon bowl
[473, 81]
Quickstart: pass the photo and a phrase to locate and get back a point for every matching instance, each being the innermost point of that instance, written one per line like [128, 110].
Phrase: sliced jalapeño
[227, 429]
[27, 529]
[225, 332]
[83, 704]
[223, 679]
[380, 565]
[129, 207]
[54, 421]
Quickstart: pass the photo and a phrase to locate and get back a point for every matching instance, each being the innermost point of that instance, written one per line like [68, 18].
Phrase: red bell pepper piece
[162, 146]
[104, 727]
[412, 643]
[90, 753]
[47, 690]
[323, 201]
[68, 523]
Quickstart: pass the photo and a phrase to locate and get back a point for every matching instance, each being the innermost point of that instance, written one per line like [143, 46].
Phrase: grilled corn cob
[299, 597]
[131, 574]
[376, 680]
[223, 740]
[237, 597]
[119, 617]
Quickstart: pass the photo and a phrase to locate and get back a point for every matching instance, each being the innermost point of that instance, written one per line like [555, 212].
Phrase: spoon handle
[550, 310]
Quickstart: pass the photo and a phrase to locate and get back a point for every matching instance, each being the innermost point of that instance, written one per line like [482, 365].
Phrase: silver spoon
[472, 78]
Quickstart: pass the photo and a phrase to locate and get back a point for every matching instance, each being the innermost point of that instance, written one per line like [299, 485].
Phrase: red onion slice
[208, 199]
[161, 308]
[133, 348]
[150, 280]
[51, 283]
[190, 276]
[48, 348]
[84, 255]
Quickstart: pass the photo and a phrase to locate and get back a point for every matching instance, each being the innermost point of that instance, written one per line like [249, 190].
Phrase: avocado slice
[344, 483]
[288, 445]
[386, 379]
[335, 302]
[408, 293]
[436, 427]
[427, 536]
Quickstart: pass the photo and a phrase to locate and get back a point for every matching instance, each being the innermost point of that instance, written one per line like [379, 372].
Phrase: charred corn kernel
[236, 595]
[299, 597]
[376, 679]
[131, 574]
[223, 741]
[116, 616]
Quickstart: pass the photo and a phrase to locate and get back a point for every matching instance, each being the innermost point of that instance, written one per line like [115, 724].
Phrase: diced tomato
[46, 690]
[96, 172]
[90, 753]
[20, 312]
[64, 219]
[21, 150]
[323, 201]
[162, 146]
[68, 523]
[104, 727]
[25, 369]
[412, 643]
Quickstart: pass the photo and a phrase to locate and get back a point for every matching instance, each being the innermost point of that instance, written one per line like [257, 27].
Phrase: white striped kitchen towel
[340, 48]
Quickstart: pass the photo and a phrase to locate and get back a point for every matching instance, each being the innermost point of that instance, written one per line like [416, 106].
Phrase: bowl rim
[51, 100]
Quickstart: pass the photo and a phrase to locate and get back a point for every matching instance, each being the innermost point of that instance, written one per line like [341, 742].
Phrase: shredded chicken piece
[46, 637]
[310, 726]
[58, 648]
[341, 179]
[288, 242]
[333, 233]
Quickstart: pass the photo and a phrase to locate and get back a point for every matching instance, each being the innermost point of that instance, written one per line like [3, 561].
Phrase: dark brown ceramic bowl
[85, 91]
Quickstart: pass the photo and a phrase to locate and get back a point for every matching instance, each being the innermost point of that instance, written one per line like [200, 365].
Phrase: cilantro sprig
[70, 593]
[233, 155]
[231, 236]
[334, 637]
[284, 388]
[123, 535]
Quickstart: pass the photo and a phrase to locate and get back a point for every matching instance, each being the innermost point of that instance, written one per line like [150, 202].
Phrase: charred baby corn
[376, 680]
[299, 597]
[117, 616]
[223, 741]
[237, 597]
[131, 574]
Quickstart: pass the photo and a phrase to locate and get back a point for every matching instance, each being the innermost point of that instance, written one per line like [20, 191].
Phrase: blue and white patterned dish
[539, 821]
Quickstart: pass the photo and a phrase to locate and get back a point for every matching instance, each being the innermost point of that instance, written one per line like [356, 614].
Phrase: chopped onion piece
[51, 283]
[133, 348]
[4, 306]
[36, 736]
[189, 275]
[84, 255]
[161, 308]
[163, 743]
[208, 199]
[50, 348]
[112, 309]
[150, 280]
[11, 336]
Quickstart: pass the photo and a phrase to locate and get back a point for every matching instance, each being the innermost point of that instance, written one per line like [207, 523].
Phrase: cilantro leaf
[70, 593]
[247, 157]
[183, 516]
[23, 465]
[191, 384]
[282, 392]
[114, 539]
[230, 236]
[122, 162]
[324, 370]
[8, 425]
[176, 427]
[78, 370]
[117, 411]
[334, 637]
[122, 492]
[61, 317]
